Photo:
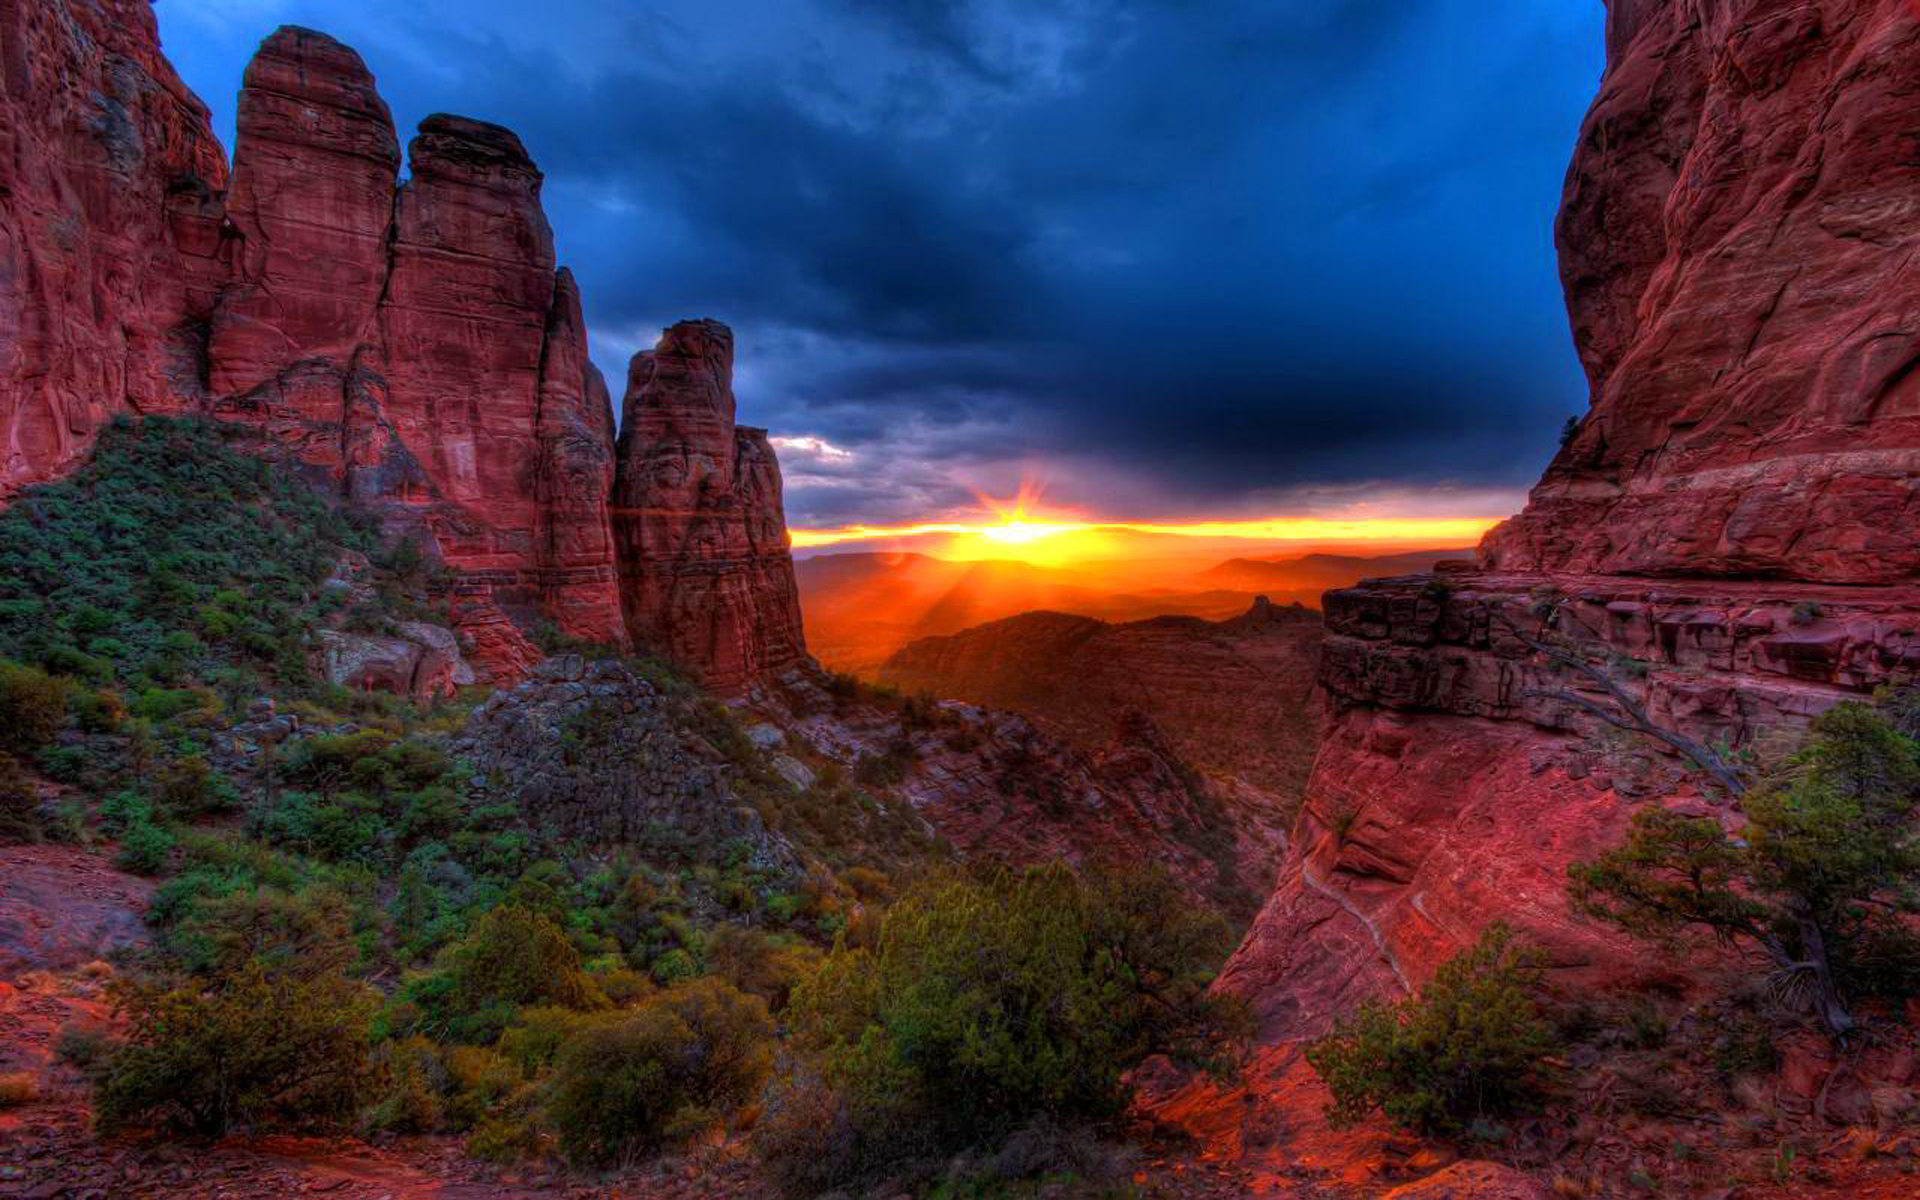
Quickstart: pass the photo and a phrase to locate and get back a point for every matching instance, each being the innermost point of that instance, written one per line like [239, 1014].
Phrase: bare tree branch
[1632, 714]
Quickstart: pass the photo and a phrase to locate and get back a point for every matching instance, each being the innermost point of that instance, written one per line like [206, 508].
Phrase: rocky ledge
[1463, 768]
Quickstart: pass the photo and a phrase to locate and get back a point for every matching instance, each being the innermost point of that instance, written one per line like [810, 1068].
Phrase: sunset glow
[1061, 536]
[1068, 540]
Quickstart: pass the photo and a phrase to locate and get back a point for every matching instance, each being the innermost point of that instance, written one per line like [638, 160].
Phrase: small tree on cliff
[1473, 1044]
[1821, 886]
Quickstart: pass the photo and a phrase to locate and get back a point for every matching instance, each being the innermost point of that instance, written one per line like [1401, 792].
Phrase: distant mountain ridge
[1233, 697]
[1325, 570]
[860, 608]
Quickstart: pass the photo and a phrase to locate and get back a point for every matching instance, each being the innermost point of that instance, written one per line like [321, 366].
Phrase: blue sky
[1167, 259]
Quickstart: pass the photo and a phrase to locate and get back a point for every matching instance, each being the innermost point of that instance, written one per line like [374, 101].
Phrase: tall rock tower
[706, 575]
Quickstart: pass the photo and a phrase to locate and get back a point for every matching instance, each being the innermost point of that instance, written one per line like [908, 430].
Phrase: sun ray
[1016, 528]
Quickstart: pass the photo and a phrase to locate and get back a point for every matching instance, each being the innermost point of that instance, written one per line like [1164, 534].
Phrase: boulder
[421, 666]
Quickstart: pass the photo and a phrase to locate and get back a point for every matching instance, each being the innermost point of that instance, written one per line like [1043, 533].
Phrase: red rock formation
[499, 426]
[1735, 247]
[412, 346]
[311, 208]
[1456, 783]
[1736, 244]
[706, 572]
[109, 175]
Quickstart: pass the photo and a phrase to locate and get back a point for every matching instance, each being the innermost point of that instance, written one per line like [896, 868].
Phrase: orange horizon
[1059, 538]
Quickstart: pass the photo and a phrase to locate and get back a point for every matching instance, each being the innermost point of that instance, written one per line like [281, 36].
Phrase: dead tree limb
[1630, 714]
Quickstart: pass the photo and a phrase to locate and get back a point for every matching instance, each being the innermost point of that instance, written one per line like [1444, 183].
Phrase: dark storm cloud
[1181, 253]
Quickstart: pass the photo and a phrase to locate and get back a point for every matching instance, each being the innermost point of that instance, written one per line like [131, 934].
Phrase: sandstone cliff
[412, 345]
[1735, 243]
[706, 574]
[110, 180]
[415, 342]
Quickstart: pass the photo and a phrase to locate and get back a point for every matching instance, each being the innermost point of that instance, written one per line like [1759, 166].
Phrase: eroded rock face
[413, 347]
[109, 221]
[706, 572]
[1458, 777]
[311, 210]
[1737, 246]
[416, 343]
[1730, 534]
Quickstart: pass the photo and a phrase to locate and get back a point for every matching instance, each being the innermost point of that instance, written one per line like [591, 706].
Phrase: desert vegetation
[1796, 912]
[353, 931]
[1819, 888]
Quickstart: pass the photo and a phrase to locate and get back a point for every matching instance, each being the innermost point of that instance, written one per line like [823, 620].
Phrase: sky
[1157, 261]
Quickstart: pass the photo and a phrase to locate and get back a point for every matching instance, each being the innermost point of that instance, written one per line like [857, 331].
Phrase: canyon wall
[110, 180]
[1736, 243]
[411, 345]
[1730, 533]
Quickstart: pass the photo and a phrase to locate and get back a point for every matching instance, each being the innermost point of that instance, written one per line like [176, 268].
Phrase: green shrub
[32, 706]
[1470, 1046]
[165, 555]
[190, 787]
[533, 1040]
[988, 1002]
[280, 929]
[1823, 883]
[506, 1139]
[674, 966]
[521, 957]
[249, 1046]
[512, 958]
[19, 803]
[670, 1068]
[82, 1048]
[145, 848]
[481, 1082]
[415, 1079]
[758, 964]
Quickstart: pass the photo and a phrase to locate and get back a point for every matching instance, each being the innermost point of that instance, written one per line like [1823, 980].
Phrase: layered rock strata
[1737, 245]
[412, 345]
[1735, 242]
[1461, 772]
[706, 572]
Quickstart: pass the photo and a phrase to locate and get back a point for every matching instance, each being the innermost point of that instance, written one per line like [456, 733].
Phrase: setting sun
[1065, 536]
[1056, 541]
